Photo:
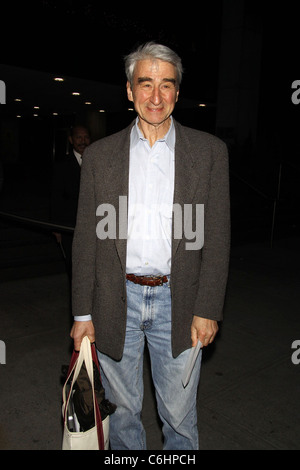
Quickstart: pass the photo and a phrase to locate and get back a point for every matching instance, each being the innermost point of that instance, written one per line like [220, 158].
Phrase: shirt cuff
[82, 317]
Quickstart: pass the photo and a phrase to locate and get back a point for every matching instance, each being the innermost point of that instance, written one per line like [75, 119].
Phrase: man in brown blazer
[150, 252]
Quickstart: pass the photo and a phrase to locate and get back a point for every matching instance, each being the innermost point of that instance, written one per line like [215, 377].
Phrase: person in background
[154, 284]
[65, 191]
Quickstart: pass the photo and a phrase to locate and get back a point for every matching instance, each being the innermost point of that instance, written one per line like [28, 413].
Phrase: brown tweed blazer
[198, 277]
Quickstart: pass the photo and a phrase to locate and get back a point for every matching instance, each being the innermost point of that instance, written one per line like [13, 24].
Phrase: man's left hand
[204, 330]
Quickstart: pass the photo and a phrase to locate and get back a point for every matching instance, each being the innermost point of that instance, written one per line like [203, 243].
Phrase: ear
[129, 92]
[177, 95]
[70, 139]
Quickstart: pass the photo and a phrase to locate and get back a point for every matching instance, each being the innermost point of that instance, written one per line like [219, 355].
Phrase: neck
[154, 132]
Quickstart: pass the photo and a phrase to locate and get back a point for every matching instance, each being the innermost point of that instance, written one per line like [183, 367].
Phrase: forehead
[79, 131]
[154, 68]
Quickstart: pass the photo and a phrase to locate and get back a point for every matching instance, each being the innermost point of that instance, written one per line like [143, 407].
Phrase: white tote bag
[96, 438]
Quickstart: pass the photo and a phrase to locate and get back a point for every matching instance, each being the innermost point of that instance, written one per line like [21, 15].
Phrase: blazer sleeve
[84, 243]
[216, 249]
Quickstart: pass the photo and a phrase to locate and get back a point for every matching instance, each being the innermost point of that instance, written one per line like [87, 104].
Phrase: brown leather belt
[151, 281]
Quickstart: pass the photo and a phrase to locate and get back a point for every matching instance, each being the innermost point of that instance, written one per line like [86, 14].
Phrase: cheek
[171, 101]
[141, 97]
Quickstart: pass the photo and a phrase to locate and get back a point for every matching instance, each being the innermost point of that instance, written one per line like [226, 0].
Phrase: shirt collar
[78, 157]
[169, 138]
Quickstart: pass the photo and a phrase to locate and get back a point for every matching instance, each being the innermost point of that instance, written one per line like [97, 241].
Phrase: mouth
[155, 110]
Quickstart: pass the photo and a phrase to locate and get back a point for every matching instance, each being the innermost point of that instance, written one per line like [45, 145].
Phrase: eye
[167, 86]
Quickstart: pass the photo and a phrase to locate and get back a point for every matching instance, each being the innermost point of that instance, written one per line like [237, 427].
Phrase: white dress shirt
[150, 203]
[78, 157]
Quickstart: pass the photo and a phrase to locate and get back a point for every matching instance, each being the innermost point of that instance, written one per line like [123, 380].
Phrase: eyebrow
[148, 79]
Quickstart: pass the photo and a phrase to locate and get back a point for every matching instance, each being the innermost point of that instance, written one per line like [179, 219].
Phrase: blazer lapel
[120, 167]
[186, 178]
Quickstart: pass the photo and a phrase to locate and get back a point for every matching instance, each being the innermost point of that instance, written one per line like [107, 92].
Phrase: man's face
[80, 139]
[154, 91]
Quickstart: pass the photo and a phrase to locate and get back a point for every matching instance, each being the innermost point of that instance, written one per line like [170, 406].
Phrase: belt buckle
[160, 279]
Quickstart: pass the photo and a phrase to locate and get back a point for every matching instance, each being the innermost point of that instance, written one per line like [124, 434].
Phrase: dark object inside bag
[82, 398]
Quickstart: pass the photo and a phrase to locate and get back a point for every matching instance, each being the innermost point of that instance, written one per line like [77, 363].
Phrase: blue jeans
[149, 316]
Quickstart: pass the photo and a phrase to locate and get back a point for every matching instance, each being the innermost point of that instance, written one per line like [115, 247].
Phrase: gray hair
[151, 50]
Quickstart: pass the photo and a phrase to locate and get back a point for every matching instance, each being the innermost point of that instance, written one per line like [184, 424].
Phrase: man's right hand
[79, 330]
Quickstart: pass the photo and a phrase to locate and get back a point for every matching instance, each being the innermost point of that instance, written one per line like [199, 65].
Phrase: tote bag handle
[88, 355]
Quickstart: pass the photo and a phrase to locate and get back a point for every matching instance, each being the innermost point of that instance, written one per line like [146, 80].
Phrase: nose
[84, 141]
[156, 96]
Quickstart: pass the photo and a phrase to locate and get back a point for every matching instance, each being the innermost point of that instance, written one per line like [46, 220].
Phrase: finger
[77, 336]
[77, 343]
[194, 337]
